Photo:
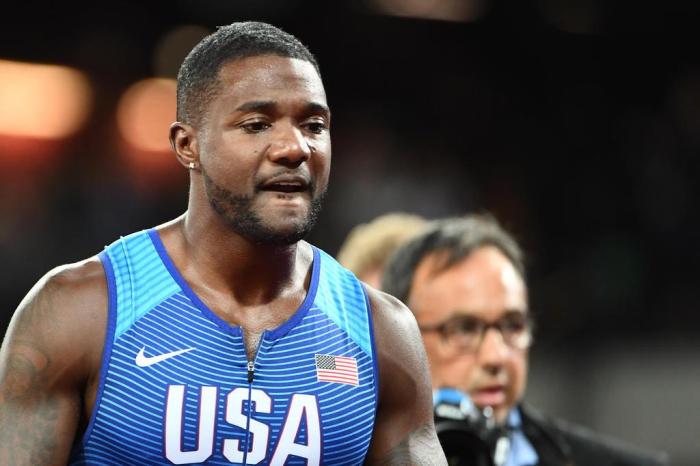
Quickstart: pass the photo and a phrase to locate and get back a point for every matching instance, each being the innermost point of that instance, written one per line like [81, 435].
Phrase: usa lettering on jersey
[302, 410]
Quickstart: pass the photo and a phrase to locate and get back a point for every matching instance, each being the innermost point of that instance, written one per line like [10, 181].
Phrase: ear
[183, 140]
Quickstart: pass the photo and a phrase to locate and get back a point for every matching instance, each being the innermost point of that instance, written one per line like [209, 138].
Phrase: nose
[289, 147]
[493, 351]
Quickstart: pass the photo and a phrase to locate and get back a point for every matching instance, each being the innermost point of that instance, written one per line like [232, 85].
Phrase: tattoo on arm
[29, 416]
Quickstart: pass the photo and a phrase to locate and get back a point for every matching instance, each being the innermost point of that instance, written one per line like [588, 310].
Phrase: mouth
[492, 395]
[286, 185]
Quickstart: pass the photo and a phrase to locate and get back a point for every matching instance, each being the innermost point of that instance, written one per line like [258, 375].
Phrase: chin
[287, 236]
[279, 233]
[287, 225]
[265, 223]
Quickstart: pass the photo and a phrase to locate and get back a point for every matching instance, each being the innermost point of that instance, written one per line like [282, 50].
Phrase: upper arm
[404, 431]
[46, 361]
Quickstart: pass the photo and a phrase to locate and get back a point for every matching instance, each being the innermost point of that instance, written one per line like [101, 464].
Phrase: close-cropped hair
[454, 238]
[197, 78]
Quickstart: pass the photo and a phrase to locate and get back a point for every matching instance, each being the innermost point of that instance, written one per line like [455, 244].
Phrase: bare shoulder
[63, 316]
[396, 330]
[395, 327]
[404, 431]
[71, 290]
[389, 313]
[77, 281]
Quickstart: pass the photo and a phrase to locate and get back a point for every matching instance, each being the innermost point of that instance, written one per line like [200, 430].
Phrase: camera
[468, 435]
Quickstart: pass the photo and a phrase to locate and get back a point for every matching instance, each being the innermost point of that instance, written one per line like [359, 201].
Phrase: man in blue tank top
[221, 337]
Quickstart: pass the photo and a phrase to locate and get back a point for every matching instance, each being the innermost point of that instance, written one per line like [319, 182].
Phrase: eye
[316, 127]
[514, 323]
[255, 126]
[466, 326]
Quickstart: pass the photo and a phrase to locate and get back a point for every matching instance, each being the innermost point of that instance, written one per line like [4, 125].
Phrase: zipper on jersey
[250, 367]
[251, 362]
[251, 371]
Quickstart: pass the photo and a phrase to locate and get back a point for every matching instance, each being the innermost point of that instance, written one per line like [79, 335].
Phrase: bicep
[39, 396]
[404, 431]
[37, 422]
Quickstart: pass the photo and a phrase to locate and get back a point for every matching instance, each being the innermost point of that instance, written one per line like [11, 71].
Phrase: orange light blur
[42, 101]
[444, 10]
[145, 113]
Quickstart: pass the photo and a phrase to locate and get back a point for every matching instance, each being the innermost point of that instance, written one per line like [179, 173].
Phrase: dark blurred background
[577, 123]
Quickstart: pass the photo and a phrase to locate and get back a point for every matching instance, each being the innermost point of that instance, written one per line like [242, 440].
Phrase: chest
[192, 394]
[253, 320]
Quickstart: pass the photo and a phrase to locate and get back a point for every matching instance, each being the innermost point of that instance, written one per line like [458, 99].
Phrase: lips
[492, 395]
[286, 184]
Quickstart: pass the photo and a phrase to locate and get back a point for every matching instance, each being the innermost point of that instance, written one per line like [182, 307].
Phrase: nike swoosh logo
[144, 361]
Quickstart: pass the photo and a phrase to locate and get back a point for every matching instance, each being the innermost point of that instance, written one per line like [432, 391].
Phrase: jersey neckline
[274, 333]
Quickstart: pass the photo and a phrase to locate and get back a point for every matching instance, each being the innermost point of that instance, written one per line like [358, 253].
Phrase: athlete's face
[485, 286]
[264, 148]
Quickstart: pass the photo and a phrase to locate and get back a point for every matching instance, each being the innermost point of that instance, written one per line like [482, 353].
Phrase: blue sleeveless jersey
[176, 385]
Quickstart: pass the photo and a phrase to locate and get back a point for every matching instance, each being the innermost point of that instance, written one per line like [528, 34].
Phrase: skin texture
[484, 285]
[404, 432]
[49, 365]
[269, 120]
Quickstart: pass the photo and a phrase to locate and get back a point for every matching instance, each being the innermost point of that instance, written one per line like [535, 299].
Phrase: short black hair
[457, 237]
[197, 78]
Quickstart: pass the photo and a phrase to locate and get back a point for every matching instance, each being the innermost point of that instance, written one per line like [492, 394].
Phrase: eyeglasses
[465, 333]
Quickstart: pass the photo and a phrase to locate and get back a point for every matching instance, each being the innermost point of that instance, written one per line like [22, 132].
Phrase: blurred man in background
[464, 279]
[368, 246]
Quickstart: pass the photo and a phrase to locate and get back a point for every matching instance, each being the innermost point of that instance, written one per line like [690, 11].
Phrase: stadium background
[576, 123]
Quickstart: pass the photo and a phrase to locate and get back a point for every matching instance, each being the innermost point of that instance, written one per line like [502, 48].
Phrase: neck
[251, 273]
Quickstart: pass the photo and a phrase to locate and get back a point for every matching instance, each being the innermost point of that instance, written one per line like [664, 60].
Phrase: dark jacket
[559, 443]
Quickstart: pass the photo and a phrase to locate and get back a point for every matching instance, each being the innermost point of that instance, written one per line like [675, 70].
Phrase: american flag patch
[338, 369]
